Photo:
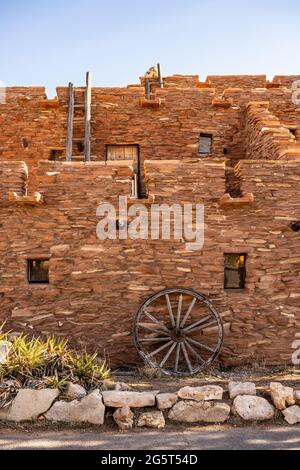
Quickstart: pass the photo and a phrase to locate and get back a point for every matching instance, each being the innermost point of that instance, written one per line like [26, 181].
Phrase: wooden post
[88, 99]
[70, 123]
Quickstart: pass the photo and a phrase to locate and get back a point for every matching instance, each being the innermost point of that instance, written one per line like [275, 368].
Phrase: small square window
[205, 144]
[38, 271]
[55, 154]
[234, 270]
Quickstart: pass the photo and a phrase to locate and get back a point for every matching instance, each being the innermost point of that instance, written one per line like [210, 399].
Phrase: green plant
[87, 366]
[3, 336]
[27, 357]
[57, 346]
[37, 362]
[55, 381]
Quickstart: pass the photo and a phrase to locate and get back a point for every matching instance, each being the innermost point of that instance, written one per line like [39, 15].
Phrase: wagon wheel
[178, 331]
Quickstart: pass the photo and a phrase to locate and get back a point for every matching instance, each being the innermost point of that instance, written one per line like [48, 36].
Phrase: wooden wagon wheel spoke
[153, 330]
[177, 357]
[168, 355]
[197, 323]
[155, 320]
[203, 327]
[155, 340]
[186, 357]
[158, 350]
[188, 313]
[170, 309]
[200, 345]
[181, 350]
[179, 311]
[190, 347]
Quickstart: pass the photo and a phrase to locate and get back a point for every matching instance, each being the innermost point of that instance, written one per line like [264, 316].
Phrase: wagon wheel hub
[177, 335]
[178, 331]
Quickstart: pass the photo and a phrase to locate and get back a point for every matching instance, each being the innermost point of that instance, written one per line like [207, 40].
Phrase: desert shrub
[48, 362]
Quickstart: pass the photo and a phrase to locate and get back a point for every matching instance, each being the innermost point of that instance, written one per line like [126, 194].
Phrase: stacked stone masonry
[152, 409]
[97, 286]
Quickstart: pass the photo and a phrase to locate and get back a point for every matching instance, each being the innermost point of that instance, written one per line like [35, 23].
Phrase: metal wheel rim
[149, 360]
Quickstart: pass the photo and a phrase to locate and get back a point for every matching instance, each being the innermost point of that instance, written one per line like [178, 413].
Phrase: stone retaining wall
[205, 404]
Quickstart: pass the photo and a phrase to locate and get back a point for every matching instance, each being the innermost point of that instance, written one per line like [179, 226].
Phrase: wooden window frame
[211, 137]
[138, 160]
[29, 271]
[242, 272]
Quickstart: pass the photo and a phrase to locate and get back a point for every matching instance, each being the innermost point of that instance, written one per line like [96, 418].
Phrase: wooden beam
[70, 123]
[88, 99]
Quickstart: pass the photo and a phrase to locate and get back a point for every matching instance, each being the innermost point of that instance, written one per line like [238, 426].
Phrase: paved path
[277, 437]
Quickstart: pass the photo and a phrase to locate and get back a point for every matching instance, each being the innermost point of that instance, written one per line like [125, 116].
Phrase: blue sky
[53, 42]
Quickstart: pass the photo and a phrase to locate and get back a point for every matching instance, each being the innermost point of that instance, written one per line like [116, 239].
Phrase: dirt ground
[261, 376]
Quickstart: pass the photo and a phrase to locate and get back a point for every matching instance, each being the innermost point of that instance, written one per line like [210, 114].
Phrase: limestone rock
[292, 414]
[202, 411]
[206, 392]
[241, 388]
[5, 347]
[281, 396]
[254, 408]
[108, 384]
[165, 401]
[29, 404]
[88, 410]
[75, 391]
[117, 399]
[152, 419]
[297, 397]
[124, 417]
[122, 387]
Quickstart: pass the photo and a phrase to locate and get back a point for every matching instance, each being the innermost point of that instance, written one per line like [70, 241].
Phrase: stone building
[230, 143]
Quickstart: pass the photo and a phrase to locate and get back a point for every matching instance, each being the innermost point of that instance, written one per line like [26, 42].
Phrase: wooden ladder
[78, 147]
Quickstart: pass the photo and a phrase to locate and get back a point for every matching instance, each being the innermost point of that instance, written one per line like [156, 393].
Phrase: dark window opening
[55, 154]
[234, 270]
[225, 151]
[38, 271]
[205, 144]
[293, 131]
[25, 143]
[80, 146]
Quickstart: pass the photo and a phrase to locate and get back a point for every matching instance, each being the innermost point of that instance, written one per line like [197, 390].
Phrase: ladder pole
[160, 79]
[88, 99]
[70, 123]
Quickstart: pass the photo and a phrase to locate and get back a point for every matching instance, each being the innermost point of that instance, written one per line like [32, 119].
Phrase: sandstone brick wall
[266, 137]
[96, 287]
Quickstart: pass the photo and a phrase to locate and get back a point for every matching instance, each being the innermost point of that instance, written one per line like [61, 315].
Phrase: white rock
[124, 417]
[292, 414]
[241, 388]
[122, 387]
[207, 392]
[5, 347]
[88, 410]
[297, 397]
[29, 404]
[75, 391]
[152, 419]
[195, 412]
[281, 396]
[165, 401]
[254, 408]
[117, 399]
[108, 384]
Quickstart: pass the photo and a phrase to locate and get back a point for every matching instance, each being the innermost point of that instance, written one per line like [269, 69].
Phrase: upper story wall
[31, 126]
